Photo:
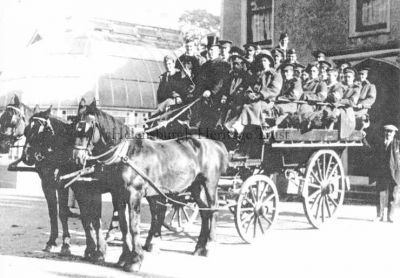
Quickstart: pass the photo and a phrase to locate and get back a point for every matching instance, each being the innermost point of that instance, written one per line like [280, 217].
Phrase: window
[368, 17]
[260, 21]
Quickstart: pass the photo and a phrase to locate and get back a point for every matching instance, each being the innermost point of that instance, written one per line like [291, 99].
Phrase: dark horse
[13, 123]
[177, 165]
[50, 155]
[49, 144]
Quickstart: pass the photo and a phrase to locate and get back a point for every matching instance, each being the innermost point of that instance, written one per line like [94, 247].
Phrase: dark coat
[213, 76]
[335, 93]
[292, 89]
[315, 90]
[168, 87]
[388, 165]
[196, 62]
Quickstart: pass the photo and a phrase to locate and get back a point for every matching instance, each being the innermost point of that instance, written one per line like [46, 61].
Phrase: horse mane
[111, 128]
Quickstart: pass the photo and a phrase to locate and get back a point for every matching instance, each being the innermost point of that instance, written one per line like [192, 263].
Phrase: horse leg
[134, 262]
[101, 245]
[63, 215]
[157, 218]
[83, 198]
[200, 197]
[123, 216]
[114, 227]
[51, 199]
[205, 195]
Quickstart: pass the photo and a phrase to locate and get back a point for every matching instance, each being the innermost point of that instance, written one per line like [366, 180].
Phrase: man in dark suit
[388, 173]
[211, 83]
[191, 56]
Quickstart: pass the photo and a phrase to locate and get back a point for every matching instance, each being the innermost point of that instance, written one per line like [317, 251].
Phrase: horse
[12, 123]
[48, 145]
[189, 164]
[49, 154]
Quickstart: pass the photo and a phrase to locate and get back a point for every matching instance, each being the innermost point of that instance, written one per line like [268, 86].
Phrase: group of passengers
[264, 88]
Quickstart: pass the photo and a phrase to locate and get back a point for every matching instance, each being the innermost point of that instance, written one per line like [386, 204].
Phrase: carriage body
[308, 165]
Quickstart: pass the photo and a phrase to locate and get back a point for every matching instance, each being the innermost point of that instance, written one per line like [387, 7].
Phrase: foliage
[198, 24]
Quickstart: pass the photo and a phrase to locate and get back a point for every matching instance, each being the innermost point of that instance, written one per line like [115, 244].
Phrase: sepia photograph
[213, 138]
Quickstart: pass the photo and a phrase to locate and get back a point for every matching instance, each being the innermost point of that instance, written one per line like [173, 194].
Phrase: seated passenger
[259, 95]
[323, 70]
[234, 98]
[291, 90]
[367, 95]
[352, 90]
[167, 93]
[314, 90]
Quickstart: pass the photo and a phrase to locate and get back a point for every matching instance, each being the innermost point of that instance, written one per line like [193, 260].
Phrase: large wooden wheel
[257, 207]
[179, 218]
[324, 187]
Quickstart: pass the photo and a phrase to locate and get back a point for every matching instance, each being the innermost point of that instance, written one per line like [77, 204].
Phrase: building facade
[347, 29]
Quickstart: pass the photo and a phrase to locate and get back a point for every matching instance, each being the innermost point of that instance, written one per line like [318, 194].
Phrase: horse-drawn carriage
[305, 164]
[177, 172]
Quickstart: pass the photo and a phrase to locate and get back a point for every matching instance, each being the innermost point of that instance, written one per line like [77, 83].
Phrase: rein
[165, 123]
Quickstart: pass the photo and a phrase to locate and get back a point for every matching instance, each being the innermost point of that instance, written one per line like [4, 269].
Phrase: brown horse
[177, 165]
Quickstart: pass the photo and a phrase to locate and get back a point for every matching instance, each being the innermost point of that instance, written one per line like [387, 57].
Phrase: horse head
[12, 124]
[88, 134]
[39, 134]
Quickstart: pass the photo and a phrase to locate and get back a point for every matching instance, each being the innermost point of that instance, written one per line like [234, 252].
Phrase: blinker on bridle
[45, 122]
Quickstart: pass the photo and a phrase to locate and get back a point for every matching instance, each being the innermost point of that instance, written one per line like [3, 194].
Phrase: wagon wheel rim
[324, 187]
[257, 207]
[180, 218]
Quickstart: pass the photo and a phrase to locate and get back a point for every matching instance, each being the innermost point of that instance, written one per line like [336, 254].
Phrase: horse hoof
[98, 257]
[65, 250]
[49, 248]
[151, 248]
[201, 251]
[135, 267]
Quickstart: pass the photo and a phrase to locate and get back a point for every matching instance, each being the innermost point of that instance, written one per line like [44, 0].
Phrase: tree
[198, 24]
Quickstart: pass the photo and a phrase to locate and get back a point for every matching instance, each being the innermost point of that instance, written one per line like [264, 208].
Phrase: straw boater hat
[390, 127]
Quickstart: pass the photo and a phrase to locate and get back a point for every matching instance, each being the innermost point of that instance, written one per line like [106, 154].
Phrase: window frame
[354, 22]
[265, 43]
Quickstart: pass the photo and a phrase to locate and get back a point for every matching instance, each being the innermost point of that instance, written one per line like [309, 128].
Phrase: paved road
[352, 246]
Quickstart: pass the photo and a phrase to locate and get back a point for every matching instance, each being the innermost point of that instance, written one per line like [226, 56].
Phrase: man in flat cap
[388, 173]
[210, 85]
[298, 70]
[314, 89]
[283, 44]
[226, 46]
[291, 57]
[250, 49]
[342, 65]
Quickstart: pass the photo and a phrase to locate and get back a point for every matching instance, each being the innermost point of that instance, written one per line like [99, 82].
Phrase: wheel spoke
[266, 219]
[327, 207]
[315, 177]
[332, 172]
[313, 185]
[269, 198]
[314, 193]
[249, 201]
[263, 190]
[255, 221]
[173, 215]
[250, 220]
[322, 209]
[319, 170]
[318, 206]
[252, 194]
[329, 164]
[247, 217]
[179, 217]
[247, 209]
[315, 200]
[323, 166]
[260, 224]
[333, 201]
